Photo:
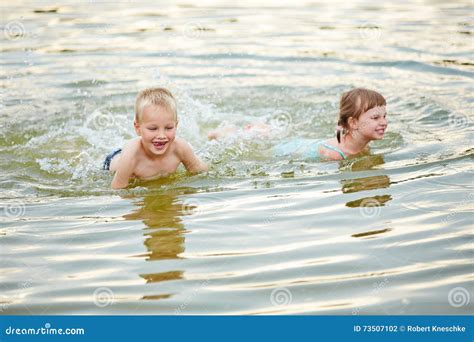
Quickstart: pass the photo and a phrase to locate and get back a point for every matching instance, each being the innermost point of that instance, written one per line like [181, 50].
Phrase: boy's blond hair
[157, 97]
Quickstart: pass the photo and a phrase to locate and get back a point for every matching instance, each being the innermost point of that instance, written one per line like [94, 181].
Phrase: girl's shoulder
[329, 149]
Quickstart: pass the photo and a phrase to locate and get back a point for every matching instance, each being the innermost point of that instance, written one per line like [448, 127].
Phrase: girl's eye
[152, 129]
[169, 127]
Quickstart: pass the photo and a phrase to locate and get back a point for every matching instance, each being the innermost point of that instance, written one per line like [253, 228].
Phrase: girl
[362, 118]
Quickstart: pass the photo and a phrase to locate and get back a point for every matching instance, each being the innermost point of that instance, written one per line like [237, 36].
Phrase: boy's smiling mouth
[159, 145]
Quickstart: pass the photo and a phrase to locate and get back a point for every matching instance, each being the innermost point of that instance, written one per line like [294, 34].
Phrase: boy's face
[157, 128]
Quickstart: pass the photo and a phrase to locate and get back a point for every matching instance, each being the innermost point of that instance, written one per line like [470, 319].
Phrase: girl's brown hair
[354, 103]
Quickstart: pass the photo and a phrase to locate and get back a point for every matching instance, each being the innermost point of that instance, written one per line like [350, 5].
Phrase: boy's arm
[190, 161]
[125, 168]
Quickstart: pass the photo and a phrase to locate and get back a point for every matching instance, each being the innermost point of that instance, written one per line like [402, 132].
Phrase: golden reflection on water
[164, 233]
[157, 277]
[368, 162]
[161, 213]
[365, 183]
[368, 203]
[378, 201]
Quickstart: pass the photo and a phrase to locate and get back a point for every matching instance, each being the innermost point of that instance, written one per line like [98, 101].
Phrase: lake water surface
[386, 233]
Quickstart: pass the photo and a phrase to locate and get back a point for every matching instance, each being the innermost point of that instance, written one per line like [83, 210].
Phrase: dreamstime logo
[14, 30]
[190, 297]
[103, 296]
[24, 285]
[192, 30]
[14, 209]
[377, 287]
[34, 274]
[8, 300]
[458, 297]
[281, 120]
[370, 31]
[156, 74]
[370, 207]
[458, 121]
[105, 28]
[99, 120]
[281, 296]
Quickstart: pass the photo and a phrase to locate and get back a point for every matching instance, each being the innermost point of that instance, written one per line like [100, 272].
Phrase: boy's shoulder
[132, 151]
[133, 145]
[181, 145]
[183, 150]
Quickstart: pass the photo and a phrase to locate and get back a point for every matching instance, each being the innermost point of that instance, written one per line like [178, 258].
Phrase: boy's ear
[137, 128]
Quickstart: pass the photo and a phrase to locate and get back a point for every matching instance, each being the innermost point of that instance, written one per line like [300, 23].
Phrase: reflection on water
[371, 233]
[365, 183]
[164, 233]
[374, 200]
[367, 163]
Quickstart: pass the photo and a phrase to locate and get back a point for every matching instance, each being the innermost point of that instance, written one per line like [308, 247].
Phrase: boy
[156, 152]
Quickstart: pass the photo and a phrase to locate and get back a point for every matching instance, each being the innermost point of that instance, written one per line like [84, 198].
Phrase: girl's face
[157, 128]
[372, 124]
